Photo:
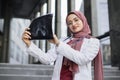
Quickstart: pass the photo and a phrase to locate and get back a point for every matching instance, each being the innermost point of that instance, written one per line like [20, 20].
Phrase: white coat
[83, 58]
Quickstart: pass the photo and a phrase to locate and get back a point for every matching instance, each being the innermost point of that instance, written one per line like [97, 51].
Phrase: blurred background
[16, 15]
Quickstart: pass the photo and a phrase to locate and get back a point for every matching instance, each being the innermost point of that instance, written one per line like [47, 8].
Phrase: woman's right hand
[26, 37]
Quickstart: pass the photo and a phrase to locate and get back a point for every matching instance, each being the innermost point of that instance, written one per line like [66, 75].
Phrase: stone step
[110, 71]
[26, 65]
[41, 77]
[46, 71]
[111, 77]
[43, 72]
[24, 77]
[26, 71]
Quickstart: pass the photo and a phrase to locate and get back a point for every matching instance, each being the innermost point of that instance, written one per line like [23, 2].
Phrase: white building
[59, 8]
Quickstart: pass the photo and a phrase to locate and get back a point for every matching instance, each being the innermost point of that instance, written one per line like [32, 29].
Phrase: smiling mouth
[74, 28]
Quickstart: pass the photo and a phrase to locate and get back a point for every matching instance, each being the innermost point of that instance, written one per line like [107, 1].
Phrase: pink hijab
[86, 30]
[76, 44]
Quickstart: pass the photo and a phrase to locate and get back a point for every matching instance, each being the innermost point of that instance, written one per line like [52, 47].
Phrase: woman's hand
[55, 40]
[26, 37]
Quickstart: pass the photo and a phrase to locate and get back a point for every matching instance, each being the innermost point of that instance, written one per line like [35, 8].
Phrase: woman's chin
[75, 32]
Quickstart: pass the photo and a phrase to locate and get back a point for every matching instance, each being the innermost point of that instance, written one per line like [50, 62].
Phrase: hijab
[76, 44]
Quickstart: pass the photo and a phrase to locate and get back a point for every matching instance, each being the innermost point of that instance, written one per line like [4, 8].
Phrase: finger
[55, 37]
[26, 36]
[27, 32]
[26, 29]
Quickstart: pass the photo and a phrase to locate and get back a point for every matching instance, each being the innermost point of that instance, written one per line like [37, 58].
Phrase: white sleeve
[87, 53]
[45, 58]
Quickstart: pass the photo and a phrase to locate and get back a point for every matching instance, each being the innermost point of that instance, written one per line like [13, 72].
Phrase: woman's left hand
[55, 40]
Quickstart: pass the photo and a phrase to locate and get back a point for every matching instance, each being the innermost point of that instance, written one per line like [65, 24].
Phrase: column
[60, 16]
[114, 18]
[94, 12]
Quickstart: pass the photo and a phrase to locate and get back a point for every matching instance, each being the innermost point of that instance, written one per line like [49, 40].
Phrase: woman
[73, 55]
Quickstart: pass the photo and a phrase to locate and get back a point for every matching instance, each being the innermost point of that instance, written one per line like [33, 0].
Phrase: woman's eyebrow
[75, 18]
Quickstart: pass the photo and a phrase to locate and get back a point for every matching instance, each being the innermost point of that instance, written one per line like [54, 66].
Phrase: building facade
[16, 48]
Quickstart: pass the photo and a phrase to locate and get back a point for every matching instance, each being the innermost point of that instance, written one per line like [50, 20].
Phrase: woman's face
[74, 23]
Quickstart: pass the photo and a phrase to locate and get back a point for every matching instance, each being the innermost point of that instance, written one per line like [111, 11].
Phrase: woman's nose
[73, 23]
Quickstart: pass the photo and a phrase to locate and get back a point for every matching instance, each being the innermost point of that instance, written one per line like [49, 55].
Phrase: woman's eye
[76, 19]
[69, 23]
